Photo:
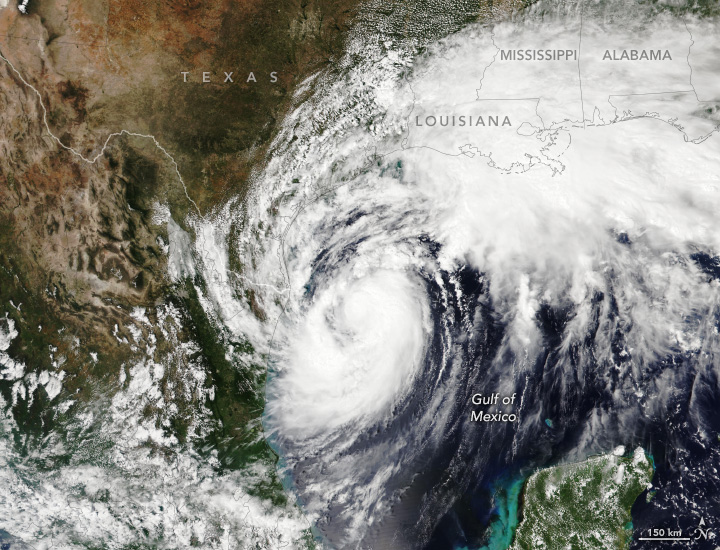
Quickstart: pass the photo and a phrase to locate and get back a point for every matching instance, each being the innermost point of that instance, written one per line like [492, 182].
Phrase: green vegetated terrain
[584, 506]
[80, 250]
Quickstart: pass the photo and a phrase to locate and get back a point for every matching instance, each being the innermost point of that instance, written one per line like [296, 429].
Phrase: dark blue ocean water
[458, 489]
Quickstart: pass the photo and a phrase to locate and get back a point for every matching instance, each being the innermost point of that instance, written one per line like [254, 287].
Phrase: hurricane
[565, 262]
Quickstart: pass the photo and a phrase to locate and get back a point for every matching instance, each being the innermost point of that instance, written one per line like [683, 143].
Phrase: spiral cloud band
[405, 264]
[355, 350]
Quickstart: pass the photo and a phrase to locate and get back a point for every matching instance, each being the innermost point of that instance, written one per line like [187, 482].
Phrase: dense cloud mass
[567, 257]
[439, 219]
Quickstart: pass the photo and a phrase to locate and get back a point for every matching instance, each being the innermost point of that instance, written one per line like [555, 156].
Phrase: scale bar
[665, 538]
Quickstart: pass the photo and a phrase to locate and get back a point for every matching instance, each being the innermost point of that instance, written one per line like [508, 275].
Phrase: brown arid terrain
[98, 125]
[78, 247]
[108, 109]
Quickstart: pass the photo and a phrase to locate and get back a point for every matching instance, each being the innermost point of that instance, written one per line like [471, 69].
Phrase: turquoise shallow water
[502, 529]
[507, 502]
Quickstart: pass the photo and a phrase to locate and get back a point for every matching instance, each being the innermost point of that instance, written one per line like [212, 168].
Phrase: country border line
[94, 159]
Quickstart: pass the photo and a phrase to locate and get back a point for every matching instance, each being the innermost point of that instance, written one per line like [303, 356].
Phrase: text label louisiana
[463, 120]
